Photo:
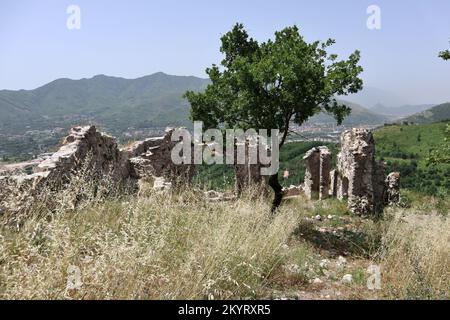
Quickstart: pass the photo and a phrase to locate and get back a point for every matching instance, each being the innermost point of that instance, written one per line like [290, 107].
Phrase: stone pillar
[325, 169]
[392, 189]
[358, 171]
[317, 173]
[312, 173]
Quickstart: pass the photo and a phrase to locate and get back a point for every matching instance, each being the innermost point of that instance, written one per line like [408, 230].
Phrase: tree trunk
[278, 190]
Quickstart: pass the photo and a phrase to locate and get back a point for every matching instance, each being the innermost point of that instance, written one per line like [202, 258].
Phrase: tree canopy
[272, 84]
[445, 54]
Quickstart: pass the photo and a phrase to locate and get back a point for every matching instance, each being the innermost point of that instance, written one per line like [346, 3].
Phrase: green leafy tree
[273, 84]
[445, 54]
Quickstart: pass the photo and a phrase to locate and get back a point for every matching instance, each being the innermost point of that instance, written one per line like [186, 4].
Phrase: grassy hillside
[405, 148]
[435, 114]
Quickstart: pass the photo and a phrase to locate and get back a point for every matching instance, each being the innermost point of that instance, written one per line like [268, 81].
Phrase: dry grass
[155, 247]
[415, 256]
[179, 246]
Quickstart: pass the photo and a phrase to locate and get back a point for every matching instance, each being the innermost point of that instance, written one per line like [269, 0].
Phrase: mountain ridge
[437, 113]
[116, 103]
[104, 99]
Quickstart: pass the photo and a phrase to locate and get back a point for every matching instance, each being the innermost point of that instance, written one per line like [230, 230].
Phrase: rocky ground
[338, 267]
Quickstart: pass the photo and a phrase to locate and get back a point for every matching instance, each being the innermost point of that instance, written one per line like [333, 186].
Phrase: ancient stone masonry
[392, 196]
[358, 178]
[358, 172]
[55, 171]
[247, 174]
[317, 174]
[151, 157]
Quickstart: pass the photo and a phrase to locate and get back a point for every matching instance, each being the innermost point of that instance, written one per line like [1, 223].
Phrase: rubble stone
[392, 196]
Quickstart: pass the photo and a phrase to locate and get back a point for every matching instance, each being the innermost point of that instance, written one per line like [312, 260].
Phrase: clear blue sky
[135, 38]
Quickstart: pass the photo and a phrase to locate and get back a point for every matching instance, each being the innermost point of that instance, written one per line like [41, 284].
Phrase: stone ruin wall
[143, 159]
[358, 173]
[317, 174]
[149, 159]
[358, 178]
[247, 174]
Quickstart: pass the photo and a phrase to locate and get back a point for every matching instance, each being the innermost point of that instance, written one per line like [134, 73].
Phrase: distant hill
[436, 114]
[115, 103]
[371, 96]
[402, 111]
[359, 116]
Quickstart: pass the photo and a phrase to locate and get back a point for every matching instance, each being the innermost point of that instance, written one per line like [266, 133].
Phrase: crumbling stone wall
[358, 178]
[317, 174]
[357, 170]
[247, 174]
[151, 157]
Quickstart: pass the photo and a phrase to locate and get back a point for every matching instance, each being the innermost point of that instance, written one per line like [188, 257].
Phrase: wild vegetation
[180, 246]
[273, 85]
[94, 241]
[407, 149]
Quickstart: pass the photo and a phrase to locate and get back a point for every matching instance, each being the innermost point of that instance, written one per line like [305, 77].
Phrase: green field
[405, 148]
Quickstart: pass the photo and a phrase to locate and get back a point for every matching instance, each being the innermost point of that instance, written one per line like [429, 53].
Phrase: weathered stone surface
[312, 173]
[358, 179]
[333, 183]
[392, 196]
[85, 146]
[317, 173]
[357, 170]
[160, 184]
[248, 174]
[152, 157]
[325, 169]
[105, 156]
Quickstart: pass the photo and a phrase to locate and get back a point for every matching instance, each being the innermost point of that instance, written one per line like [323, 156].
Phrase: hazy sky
[136, 38]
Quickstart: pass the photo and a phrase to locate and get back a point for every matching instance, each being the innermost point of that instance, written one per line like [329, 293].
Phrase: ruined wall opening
[345, 186]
